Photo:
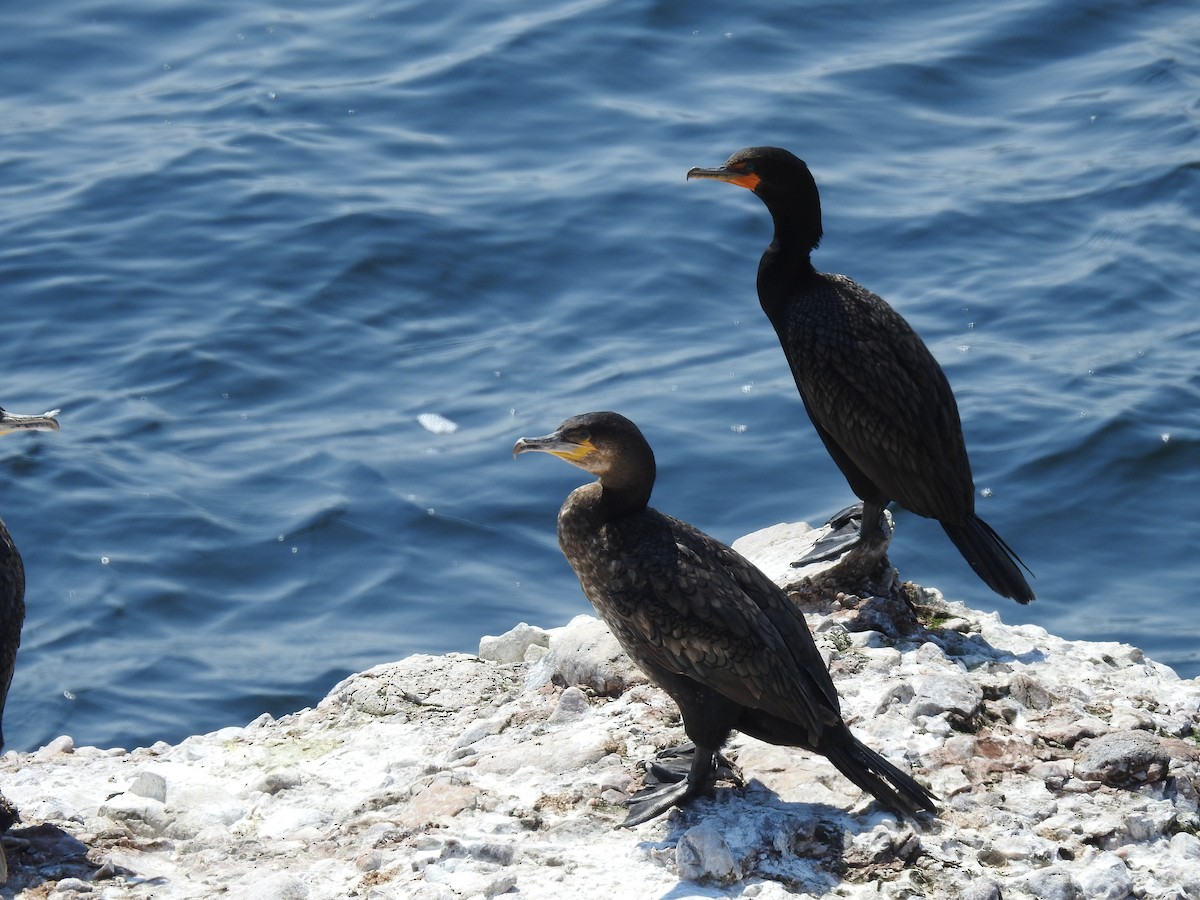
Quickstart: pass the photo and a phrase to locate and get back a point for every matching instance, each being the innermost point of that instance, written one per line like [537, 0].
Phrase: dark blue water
[245, 245]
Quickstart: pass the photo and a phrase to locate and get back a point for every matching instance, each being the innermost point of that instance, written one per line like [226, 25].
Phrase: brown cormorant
[12, 571]
[877, 397]
[701, 621]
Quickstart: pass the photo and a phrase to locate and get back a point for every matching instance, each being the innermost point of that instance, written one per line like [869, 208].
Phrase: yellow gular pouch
[576, 453]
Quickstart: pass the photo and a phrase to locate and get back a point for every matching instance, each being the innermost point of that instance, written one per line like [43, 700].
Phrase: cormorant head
[606, 444]
[10, 422]
[782, 181]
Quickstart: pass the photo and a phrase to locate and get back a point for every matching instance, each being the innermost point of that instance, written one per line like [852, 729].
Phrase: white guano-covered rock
[1064, 769]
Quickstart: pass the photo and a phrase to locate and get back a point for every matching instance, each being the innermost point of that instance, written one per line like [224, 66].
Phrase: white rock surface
[1065, 769]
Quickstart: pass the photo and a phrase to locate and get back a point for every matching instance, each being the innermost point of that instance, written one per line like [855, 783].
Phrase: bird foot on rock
[672, 779]
[845, 528]
[673, 764]
[650, 802]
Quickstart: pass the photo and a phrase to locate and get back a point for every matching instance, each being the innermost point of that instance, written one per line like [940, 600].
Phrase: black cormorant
[12, 571]
[701, 621]
[874, 392]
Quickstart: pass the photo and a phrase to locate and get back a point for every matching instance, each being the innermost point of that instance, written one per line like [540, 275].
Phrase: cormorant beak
[556, 445]
[747, 180]
[10, 422]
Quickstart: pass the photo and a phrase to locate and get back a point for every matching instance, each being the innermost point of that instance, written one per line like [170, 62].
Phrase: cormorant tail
[991, 558]
[878, 777]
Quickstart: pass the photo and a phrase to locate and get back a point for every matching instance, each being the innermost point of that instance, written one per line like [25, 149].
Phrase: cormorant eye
[748, 167]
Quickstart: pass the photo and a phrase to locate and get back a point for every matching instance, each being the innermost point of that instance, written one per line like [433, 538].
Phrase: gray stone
[450, 682]
[479, 730]
[1131, 720]
[901, 693]
[955, 695]
[60, 745]
[468, 883]
[569, 752]
[511, 646]
[572, 706]
[1185, 846]
[438, 801]
[370, 861]
[883, 658]
[193, 808]
[1106, 878]
[1150, 822]
[1052, 884]
[1123, 758]
[72, 885]
[281, 886]
[420, 892]
[983, 889]
[292, 819]
[1029, 692]
[141, 815]
[1067, 726]
[150, 785]
[586, 653]
[702, 854]
[1053, 769]
[274, 782]
[534, 652]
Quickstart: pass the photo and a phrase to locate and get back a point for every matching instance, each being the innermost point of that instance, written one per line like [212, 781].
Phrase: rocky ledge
[1066, 769]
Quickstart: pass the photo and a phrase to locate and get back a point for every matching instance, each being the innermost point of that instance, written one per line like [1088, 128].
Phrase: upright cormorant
[874, 392]
[12, 571]
[701, 621]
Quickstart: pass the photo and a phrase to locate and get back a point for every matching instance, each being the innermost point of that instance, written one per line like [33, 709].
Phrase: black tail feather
[878, 777]
[991, 558]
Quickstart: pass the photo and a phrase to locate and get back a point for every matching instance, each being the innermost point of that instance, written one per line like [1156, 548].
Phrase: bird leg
[672, 780]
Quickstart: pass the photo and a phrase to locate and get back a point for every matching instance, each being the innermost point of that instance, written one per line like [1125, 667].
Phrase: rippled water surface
[246, 246]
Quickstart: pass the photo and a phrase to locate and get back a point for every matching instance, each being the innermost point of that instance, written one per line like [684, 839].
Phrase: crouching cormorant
[701, 621]
[12, 571]
[12, 608]
[874, 392]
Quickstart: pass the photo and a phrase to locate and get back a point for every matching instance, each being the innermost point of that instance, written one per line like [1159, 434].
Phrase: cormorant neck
[624, 496]
[797, 223]
[785, 264]
[600, 502]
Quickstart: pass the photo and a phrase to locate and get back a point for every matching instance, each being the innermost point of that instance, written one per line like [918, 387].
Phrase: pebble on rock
[983, 889]
[586, 654]
[1123, 759]
[572, 705]
[1052, 884]
[703, 855]
[955, 695]
[1106, 878]
[512, 646]
[150, 785]
[1029, 692]
[1186, 846]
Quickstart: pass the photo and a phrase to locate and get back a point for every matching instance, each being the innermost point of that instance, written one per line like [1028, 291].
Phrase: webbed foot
[673, 764]
[673, 777]
[846, 534]
[654, 801]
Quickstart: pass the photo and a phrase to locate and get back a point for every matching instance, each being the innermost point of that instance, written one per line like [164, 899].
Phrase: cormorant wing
[874, 390]
[695, 607]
